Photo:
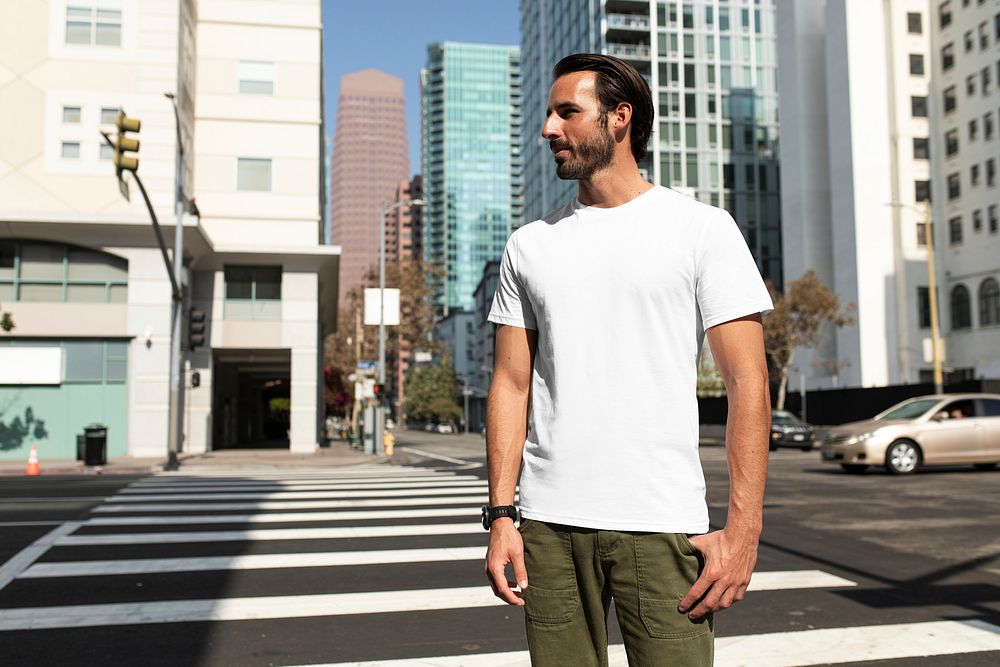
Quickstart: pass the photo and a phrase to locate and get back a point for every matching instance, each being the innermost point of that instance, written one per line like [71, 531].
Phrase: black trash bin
[95, 452]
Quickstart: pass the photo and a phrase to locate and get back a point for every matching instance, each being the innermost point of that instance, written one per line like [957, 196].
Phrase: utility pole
[175, 430]
[932, 298]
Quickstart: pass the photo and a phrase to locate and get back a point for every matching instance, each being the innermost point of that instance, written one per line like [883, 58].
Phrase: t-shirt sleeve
[511, 304]
[729, 285]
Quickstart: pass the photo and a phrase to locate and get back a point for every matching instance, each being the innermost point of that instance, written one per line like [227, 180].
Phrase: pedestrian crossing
[354, 549]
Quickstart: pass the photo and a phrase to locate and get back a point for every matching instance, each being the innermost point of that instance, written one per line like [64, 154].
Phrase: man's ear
[621, 116]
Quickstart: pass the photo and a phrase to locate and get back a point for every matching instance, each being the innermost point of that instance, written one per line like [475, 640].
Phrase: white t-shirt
[620, 298]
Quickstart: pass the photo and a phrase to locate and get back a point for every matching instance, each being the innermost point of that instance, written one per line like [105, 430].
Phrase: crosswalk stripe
[326, 486]
[796, 579]
[288, 495]
[155, 483]
[273, 534]
[304, 472]
[237, 609]
[335, 604]
[283, 517]
[782, 649]
[250, 562]
[288, 504]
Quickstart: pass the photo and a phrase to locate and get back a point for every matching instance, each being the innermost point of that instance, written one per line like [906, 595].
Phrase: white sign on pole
[373, 306]
[929, 350]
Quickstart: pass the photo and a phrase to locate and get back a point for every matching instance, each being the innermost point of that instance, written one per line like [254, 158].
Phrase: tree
[795, 322]
[431, 392]
[6, 322]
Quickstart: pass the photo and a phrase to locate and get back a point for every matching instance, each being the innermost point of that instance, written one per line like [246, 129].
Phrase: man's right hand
[506, 547]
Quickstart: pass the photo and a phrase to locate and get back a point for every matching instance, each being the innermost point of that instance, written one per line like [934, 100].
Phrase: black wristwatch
[491, 514]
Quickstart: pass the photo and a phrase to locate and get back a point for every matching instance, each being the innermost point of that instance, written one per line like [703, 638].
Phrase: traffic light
[196, 328]
[125, 144]
[379, 390]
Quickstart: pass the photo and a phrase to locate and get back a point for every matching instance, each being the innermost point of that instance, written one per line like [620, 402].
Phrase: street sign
[367, 364]
[374, 309]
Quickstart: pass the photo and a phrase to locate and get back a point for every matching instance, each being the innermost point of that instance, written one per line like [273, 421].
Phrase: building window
[989, 302]
[954, 186]
[924, 307]
[955, 230]
[947, 57]
[108, 115]
[961, 315]
[71, 150]
[951, 143]
[922, 190]
[973, 129]
[977, 220]
[974, 175]
[921, 234]
[988, 126]
[916, 64]
[921, 148]
[970, 85]
[991, 172]
[969, 41]
[93, 26]
[256, 78]
[984, 80]
[106, 150]
[253, 174]
[949, 99]
[918, 106]
[914, 23]
[944, 14]
[994, 223]
[37, 271]
[984, 40]
[71, 114]
[252, 293]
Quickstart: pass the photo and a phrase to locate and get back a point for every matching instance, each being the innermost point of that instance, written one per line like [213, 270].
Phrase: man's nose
[550, 128]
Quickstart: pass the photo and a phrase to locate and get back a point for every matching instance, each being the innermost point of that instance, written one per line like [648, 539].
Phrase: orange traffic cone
[32, 468]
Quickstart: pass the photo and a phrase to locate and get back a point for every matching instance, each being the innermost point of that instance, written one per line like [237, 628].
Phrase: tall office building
[711, 67]
[472, 165]
[965, 151]
[404, 226]
[80, 268]
[370, 159]
[855, 172]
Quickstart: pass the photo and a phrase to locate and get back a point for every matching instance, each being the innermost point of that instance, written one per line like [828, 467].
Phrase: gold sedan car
[927, 430]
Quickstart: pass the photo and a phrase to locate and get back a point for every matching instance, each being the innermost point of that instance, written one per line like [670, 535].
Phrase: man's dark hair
[616, 82]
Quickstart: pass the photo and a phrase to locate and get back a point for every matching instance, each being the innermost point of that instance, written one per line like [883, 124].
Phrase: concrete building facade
[369, 160]
[711, 66]
[80, 269]
[965, 152]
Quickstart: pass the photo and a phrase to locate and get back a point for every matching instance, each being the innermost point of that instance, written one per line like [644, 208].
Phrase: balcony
[628, 22]
[630, 51]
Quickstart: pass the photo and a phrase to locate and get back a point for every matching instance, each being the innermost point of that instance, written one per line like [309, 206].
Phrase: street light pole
[175, 429]
[932, 298]
[380, 409]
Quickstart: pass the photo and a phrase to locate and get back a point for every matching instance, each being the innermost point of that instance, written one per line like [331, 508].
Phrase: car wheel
[902, 457]
[854, 468]
[985, 466]
[807, 449]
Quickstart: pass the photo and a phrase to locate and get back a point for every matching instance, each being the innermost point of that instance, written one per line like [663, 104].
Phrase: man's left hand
[729, 561]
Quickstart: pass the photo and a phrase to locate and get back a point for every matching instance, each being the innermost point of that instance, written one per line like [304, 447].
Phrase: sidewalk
[339, 453]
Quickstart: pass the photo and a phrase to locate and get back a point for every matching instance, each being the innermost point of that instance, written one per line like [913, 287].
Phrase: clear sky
[392, 35]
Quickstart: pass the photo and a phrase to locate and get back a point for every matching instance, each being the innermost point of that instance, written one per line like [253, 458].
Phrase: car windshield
[909, 410]
[782, 417]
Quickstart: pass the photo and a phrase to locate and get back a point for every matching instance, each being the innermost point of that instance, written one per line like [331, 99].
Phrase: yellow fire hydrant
[389, 440]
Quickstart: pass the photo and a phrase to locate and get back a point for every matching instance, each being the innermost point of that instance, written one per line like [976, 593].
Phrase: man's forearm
[747, 432]
[506, 429]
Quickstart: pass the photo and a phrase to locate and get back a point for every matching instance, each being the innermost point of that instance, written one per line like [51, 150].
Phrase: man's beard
[589, 156]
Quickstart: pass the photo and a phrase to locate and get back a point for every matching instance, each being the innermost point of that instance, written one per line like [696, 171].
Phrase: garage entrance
[251, 399]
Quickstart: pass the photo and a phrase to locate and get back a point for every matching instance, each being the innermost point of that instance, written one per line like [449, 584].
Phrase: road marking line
[274, 534]
[53, 499]
[289, 504]
[399, 479]
[89, 568]
[329, 486]
[276, 495]
[325, 473]
[438, 457]
[283, 517]
[780, 649]
[14, 524]
[29, 554]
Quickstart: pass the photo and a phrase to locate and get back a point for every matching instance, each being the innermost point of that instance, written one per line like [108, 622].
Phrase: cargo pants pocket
[667, 566]
[551, 598]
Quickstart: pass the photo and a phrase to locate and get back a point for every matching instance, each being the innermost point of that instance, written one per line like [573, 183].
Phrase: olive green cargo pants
[574, 573]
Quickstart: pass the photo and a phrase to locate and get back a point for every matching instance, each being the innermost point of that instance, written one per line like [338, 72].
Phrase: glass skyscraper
[471, 95]
[711, 65]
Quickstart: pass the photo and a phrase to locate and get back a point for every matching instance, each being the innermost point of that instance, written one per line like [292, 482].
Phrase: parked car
[787, 430]
[926, 430]
[445, 428]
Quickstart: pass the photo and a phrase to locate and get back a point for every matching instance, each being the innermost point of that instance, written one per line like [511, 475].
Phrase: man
[602, 308]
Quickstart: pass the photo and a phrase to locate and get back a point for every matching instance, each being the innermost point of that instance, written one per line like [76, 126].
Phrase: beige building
[80, 269]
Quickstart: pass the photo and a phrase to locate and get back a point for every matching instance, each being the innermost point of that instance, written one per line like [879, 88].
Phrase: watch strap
[491, 514]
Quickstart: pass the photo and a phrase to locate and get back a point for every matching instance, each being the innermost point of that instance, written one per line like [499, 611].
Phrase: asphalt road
[181, 570]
